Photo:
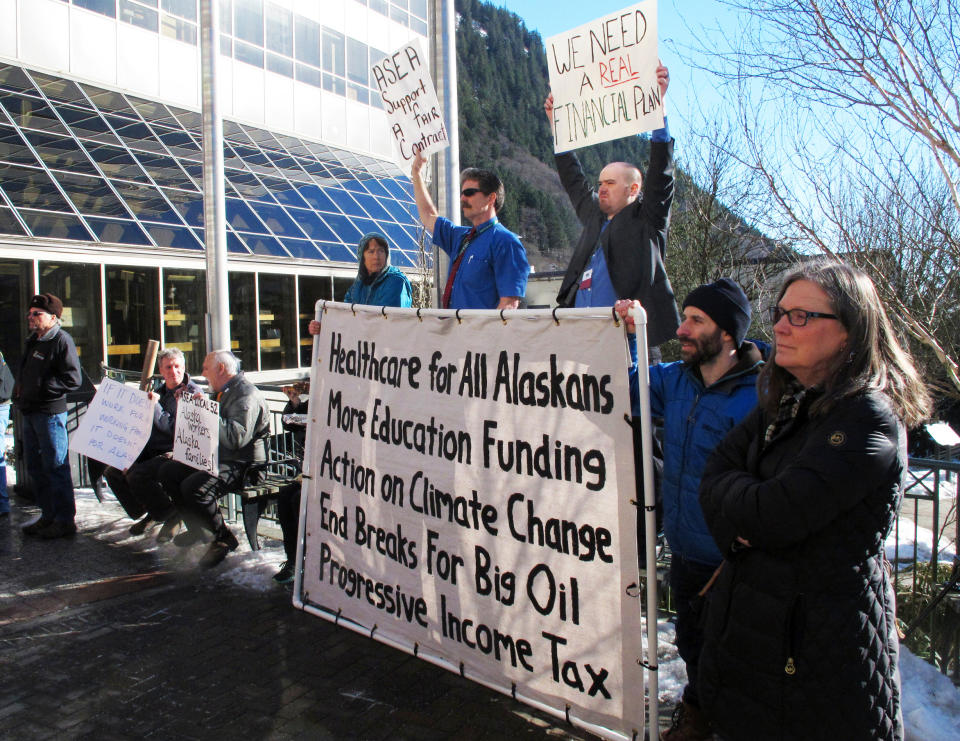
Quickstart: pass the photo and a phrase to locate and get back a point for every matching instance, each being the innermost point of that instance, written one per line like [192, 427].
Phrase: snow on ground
[931, 704]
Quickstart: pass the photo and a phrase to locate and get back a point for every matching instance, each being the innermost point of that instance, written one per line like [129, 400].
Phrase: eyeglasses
[797, 317]
[468, 192]
[36, 313]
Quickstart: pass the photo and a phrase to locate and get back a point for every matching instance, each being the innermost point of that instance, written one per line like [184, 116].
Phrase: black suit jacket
[634, 243]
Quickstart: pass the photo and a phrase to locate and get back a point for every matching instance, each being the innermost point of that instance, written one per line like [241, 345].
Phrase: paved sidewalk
[104, 636]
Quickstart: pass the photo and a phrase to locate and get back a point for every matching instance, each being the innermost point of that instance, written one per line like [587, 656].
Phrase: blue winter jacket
[390, 287]
[695, 420]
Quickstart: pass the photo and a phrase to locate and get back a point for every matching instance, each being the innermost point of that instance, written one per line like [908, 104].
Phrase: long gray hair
[875, 359]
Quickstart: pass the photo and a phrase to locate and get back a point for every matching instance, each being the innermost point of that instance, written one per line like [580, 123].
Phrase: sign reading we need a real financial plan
[469, 485]
[603, 76]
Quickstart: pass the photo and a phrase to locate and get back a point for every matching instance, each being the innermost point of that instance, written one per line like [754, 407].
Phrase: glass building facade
[101, 187]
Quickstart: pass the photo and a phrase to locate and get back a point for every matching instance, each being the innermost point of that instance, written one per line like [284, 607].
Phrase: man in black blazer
[620, 254]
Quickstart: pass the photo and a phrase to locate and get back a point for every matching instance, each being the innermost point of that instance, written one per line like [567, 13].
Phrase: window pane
[334, 84]
[419, 7]
[14, 78]
[104, 7]
[137, 15]
[91, 195]
[359, 94]
[248, 20]
[279, 29]
[307, 37]
[61, 153]
[87, 124]
[278, 221]
[357, 63]
[184, 304]
[116, 162]
[60, 89]
[333, 52]
[165, 171]
[12, 148]
[380, 6]
[311, 288]
[29, 188]
[133, 314]
[55, 226]
[277, 322]
[183, 8]
[31, 113]
[146, 202]
[189, 204]
[179, 29]
[173, 236]
[243, 323]
[248, 54]
[78, 286]
[9, 223]
[279, 65]
[16, 288]
[118, 231]
[308, 75]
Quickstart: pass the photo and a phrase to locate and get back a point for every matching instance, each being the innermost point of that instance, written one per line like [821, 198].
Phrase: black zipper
[795, 625]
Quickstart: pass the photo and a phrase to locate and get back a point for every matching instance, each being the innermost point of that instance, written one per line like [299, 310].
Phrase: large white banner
[196, 440]
[469, 485]
[116, 425]
[410, 100]
[603, 76]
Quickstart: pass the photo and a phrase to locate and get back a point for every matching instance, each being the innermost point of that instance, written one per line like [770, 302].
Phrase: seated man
[138, 489]
[244, 427]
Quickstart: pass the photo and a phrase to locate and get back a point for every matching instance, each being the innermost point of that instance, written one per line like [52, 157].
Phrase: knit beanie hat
[48, 303]
[725, 302]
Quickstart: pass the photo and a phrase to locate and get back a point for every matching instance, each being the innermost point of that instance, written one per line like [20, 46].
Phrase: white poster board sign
[469, 485]
[603, 76]
[196, 440]
[410, 100]
[116, 426]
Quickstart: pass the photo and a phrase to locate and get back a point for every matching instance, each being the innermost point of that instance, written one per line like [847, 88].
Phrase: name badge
[587, 278]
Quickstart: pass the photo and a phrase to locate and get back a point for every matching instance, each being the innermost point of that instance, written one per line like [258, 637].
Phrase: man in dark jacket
[621, 250]
[700, 398]
[49, 369]
[138, 489]
[244, 428]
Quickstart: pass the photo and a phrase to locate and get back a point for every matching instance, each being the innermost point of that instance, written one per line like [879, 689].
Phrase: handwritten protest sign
[603, 76]
[468, 492]
[196, 441]
[410, 101]
[116, 426]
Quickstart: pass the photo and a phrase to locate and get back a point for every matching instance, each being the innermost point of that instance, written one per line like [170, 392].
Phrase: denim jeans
[45, 450]
[4, 418]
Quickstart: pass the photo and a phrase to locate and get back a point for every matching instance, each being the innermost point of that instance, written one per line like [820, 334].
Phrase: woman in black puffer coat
[800, 641]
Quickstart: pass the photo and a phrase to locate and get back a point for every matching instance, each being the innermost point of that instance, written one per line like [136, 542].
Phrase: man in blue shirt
[489, 266]
[625, 220]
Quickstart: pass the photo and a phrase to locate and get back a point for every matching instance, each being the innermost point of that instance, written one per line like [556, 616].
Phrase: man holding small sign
[138, 489]
[244, 424]
[489, 266]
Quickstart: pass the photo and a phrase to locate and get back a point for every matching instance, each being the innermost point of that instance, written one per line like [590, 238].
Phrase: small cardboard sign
[410, 100]
[196, 441]
[603, 76]
[116, 426]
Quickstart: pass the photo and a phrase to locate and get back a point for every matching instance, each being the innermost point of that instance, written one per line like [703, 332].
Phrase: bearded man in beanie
[49, 370]
[700, 398]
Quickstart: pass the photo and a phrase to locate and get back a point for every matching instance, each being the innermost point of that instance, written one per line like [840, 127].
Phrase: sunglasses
[36, 313]
[468, 192]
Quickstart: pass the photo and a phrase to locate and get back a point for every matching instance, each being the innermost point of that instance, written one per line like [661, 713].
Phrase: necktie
[456, 266]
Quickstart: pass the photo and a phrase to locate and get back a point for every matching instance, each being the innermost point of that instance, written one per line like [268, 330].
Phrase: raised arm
[425, 207]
